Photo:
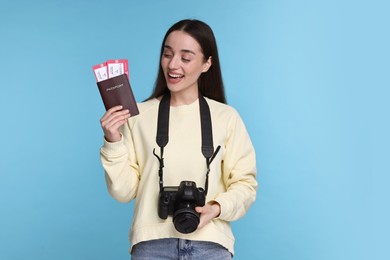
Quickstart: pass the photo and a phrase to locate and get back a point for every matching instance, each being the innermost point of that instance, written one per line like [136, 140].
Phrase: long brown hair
[210, 83]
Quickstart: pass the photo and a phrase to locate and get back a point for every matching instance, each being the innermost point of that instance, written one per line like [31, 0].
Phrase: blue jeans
[179, 249]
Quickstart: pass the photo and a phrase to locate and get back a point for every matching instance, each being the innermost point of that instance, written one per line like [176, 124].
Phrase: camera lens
[186, 220]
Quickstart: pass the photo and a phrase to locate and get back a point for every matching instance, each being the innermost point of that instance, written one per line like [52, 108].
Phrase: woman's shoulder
[221, 108]
[147, 109]
[147, 105]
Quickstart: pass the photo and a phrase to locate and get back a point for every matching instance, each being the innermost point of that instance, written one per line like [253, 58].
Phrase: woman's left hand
[208, 212]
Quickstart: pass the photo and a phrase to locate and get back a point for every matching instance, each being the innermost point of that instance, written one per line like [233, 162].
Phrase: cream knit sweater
[132, 169]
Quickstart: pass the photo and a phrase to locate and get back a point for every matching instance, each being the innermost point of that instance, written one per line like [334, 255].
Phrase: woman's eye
[185, 60]
[167, 55]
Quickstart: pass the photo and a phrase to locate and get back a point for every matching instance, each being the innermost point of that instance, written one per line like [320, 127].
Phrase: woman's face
[183, 62]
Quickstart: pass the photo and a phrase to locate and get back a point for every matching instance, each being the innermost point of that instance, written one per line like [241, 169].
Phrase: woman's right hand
[112, 120]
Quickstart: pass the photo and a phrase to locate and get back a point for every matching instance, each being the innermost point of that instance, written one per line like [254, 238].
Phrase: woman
[137, 166]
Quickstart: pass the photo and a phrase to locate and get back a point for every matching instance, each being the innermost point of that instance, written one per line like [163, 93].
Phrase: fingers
[207, 213]
[110, 112]
[112, 120]
[204, 220]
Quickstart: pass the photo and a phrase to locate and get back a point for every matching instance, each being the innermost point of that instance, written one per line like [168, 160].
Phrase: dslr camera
[180, 202]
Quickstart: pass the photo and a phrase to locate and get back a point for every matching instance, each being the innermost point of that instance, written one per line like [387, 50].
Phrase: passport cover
[117, 91]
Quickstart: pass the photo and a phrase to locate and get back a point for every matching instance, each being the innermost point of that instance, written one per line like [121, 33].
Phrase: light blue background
[302, 74]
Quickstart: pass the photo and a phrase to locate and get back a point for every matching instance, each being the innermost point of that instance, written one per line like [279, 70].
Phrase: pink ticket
[117, 67]
[100, 71]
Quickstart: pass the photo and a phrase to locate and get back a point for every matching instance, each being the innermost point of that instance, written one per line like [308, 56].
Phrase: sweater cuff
[113, 148]
[224, 207]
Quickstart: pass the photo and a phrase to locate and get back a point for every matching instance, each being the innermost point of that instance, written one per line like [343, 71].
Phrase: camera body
[180, 202]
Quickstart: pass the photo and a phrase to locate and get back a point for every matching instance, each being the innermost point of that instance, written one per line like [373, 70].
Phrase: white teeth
[175, 76]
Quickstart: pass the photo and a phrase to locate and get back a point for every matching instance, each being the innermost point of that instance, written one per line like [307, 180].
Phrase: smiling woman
[191, 42]
[308, 78]
[183, 63]
[186, 220]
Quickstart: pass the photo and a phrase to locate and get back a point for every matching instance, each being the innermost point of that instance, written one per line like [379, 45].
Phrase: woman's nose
[173, 63]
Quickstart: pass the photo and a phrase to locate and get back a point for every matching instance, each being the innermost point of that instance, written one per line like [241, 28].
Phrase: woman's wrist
[113, 139]
[216, 207]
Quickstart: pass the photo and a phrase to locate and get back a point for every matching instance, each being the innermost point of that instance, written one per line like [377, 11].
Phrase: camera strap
[162, 137]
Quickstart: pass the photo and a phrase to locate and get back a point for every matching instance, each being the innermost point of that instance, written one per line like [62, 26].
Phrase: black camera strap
[163, 133]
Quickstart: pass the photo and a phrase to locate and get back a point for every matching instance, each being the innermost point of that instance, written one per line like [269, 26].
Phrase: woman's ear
[207, 64]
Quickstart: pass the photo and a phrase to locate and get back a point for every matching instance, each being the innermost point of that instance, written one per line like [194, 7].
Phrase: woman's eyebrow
[183, 50]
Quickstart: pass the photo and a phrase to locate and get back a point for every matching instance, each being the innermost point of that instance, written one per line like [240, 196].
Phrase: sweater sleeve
[121, 167]
[239, 172]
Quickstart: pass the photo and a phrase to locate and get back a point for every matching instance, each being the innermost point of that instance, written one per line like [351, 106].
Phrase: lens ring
[186, 220]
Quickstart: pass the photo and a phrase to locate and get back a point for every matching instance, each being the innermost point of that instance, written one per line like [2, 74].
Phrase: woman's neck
[179, 99]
